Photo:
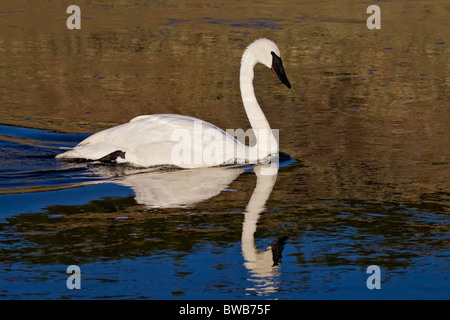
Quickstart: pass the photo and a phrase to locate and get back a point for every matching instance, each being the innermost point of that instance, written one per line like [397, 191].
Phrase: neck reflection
[260, 263]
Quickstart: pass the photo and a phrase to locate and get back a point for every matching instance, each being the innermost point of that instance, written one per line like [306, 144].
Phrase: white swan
[170, 139]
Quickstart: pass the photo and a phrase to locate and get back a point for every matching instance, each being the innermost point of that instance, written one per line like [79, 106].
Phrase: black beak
[277, 68]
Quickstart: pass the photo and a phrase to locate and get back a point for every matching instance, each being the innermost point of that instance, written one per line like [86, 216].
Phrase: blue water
[55, 214]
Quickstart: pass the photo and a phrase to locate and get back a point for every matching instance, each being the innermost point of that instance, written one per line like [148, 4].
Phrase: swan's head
[266, 51]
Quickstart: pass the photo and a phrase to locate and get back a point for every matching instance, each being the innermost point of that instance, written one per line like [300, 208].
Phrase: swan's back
[152, 140]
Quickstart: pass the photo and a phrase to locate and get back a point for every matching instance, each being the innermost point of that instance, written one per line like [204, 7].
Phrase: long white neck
[266, 143]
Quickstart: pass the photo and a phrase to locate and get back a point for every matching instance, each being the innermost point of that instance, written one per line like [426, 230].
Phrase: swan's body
[170, 139]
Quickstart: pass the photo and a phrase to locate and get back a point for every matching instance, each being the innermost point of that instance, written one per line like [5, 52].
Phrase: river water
[367, 122]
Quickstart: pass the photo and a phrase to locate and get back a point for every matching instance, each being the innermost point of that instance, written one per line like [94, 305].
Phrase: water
[367, 122]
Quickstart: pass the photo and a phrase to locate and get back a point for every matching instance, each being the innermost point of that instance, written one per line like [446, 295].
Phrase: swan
[188, 142]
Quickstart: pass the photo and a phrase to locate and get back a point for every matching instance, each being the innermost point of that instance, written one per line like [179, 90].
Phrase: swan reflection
[262, 264]
[159, 188]
[184, 188]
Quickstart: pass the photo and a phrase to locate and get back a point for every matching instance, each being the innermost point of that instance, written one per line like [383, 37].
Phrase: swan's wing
[156, 139]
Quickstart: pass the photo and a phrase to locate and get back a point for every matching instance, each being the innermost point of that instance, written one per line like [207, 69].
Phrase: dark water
[55, 215]
[367, 121]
